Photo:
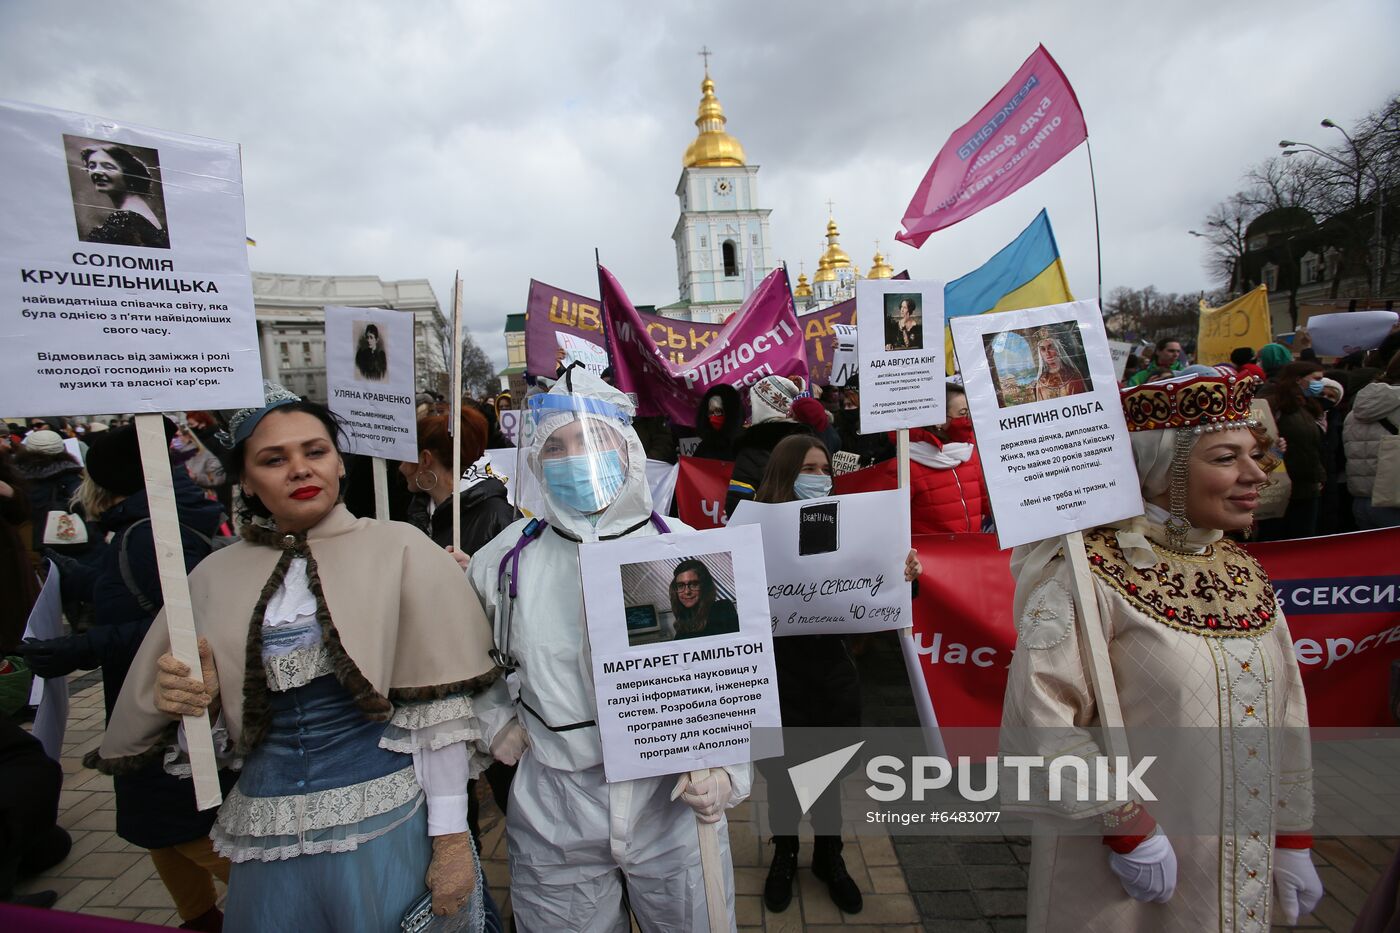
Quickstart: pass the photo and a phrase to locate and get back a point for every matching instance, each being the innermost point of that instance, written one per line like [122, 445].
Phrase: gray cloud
[507, 140]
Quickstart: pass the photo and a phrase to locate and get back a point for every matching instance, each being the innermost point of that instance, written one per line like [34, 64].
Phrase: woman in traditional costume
[366, 646]
[1198, 658]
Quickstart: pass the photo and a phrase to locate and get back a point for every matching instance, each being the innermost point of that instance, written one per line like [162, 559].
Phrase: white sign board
[50, 693]
[124, 279]
[1348, 332]
[1044, 402]
[1120, 350]
[369, 380]
[900, 345]
[834, 565]
[578, 350]
[508, 420]
[682, 651]
[844, 361]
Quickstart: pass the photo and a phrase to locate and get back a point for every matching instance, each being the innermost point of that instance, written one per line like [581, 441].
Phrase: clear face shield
[576, 450]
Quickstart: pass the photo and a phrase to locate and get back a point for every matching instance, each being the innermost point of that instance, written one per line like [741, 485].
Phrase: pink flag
[1027, 127]
[761, 339]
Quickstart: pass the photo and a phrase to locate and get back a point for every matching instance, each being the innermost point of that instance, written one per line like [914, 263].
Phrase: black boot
[829, 866]
[777, 890]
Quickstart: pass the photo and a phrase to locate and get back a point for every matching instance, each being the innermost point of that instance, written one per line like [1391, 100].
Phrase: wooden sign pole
[381, 489]
[712, 868]
[456, 413]
[1094, 647]
[175, 592]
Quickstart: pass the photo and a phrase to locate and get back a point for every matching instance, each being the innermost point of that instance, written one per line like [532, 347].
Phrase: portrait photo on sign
[1035, 364]
[117, 193]
[904, 321]
[679, 598]
[371, 358]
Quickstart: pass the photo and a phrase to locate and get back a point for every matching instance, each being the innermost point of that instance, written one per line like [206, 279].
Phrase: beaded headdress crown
[1202, 403]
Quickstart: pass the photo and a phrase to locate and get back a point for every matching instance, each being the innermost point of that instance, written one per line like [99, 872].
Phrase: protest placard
[900, 348]
[682, 650]
[49, 694]
[1044, 403]
[844, 361]
[1349, 331]
[578, 350]
[369, 380]
[1120, 350]
[123, 268]
[834, 565]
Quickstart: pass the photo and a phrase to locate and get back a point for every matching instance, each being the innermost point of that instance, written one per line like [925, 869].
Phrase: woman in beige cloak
[1206, 681]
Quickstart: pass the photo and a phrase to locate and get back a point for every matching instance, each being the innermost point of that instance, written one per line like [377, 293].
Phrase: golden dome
[713, 147]
[880, 269]
[803, 290]
[825, 273]
[834, 254]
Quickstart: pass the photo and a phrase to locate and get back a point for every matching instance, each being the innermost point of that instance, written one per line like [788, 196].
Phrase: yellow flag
[1243, 322]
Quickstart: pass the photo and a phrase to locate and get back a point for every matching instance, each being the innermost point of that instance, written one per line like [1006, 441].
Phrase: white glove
[707, 796]
[1296, 883]
[1148, 873]
[510, 743]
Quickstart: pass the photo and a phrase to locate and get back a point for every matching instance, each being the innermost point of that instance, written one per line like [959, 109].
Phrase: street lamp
[1357, 167]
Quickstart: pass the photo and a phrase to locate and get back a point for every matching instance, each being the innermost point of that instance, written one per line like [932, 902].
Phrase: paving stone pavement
[970, 885]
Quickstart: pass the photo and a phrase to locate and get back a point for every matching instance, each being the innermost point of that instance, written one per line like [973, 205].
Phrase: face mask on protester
[1327, 403]
[811, 485]
[959, 430]
[717, 422]
[588, 483]
[1315, 388]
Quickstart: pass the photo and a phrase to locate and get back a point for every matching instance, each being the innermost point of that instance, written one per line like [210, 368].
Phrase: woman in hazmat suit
[573, 838]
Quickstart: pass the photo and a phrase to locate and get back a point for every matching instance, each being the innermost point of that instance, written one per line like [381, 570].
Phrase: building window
[754, 238]
[1270, 273]
[703, 242]
[731, 259]
[1311, 269]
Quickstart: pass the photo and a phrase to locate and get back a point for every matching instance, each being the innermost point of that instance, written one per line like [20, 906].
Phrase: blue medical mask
[812, 485]
[1315, 387]
[587, 483]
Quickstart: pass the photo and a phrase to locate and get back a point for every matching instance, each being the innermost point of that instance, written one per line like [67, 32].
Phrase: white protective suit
[572, 836]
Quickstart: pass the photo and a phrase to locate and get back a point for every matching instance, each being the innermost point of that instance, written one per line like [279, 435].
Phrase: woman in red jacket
[946, 491]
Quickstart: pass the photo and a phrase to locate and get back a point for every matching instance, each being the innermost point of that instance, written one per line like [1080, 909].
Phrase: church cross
[829, 208]
[705, 53]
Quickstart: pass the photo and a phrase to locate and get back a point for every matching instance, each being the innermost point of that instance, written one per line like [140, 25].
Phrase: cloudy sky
[509, 139]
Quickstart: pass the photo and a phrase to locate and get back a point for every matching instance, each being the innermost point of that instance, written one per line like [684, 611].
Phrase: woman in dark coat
[1294, 401]
[482, 499]
[719, 419]
[155, 809]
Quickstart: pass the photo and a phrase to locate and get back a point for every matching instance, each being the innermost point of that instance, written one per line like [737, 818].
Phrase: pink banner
[762, 339]
[1032, 123]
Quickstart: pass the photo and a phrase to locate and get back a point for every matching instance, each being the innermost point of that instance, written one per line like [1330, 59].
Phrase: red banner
[701, 486]
[1340, 595]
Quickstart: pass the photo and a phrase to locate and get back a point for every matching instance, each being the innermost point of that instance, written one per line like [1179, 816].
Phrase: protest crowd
[323, 663]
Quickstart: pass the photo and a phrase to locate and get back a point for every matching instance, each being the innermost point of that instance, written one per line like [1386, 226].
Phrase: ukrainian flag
[1026, 273]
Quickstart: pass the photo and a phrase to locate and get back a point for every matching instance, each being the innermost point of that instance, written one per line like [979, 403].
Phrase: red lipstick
[306, 492]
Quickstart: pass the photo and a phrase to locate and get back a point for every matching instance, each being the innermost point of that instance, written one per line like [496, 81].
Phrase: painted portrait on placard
[904, 329]
[1037, 364]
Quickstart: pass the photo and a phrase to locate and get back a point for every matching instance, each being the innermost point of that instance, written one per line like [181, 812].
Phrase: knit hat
[1341, 389]
[45, 442]
[810, 412]
[114, 459]
[771, 398]
[1273, 357]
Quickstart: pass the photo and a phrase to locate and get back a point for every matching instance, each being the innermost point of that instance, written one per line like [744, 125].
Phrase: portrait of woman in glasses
[698, 610]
